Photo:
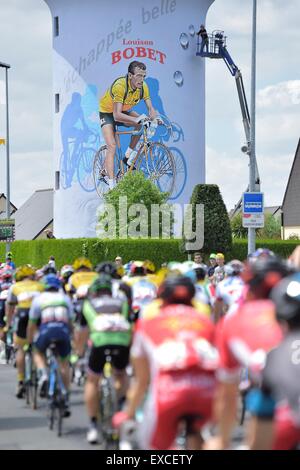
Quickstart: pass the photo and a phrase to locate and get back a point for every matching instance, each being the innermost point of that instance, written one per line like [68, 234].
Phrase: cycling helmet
[66, 271]
[24, 271]
[6, 273]
[138, 268]
[200, 273]
[107, 267]
[264, 253]
[177, 290]
[82, 263]
[263, 275]
[149, 266]
[49, 269]
[101, 283]
[50, 281]
[286, 297]
[234, 267]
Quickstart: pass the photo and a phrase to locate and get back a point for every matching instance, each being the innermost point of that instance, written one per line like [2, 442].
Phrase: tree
[271, 230]
[217, 231]
[131, 207]
[237, 229]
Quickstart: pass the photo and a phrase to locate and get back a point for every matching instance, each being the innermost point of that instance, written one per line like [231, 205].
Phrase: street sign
[253, 210]
[7, 230]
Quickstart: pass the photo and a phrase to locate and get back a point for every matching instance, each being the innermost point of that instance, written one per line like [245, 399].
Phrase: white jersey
[230, 291]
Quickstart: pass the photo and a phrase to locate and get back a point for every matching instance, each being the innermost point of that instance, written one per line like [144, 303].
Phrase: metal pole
[7, 66]
[251, 231]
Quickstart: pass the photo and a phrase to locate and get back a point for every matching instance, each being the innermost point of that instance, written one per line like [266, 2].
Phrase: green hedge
[37, 252]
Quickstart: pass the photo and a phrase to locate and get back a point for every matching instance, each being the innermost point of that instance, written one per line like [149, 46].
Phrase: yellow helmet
[24, 271]
[150, 266]
[82, 263]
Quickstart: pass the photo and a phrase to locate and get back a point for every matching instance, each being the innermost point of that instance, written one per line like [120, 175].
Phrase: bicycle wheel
[158, 165]
[85, 173]
[34, 387]
[99, 172]
[108, 407]
[28, 367]
[64, 171]
[181, 172]
[61, 411]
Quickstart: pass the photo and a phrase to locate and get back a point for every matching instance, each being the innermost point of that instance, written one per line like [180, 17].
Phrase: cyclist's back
[182, 361]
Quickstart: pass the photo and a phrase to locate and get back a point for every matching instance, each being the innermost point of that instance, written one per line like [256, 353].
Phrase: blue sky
[26, 43]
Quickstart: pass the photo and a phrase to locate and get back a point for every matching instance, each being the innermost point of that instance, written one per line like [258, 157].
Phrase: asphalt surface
[22, 428]
[25, 429]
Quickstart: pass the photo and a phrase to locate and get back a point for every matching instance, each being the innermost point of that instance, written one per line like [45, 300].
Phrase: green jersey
[107, 318]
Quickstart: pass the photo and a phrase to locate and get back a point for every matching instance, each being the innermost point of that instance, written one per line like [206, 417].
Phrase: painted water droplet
[178, 78]
[192, 30]
[184, 40]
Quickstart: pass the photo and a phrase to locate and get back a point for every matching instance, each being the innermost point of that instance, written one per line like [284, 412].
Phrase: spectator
[219, 273]
[198, 260]
[49, 233]
[8, 260]
[118, 261]
[213, 265]
[203, 33]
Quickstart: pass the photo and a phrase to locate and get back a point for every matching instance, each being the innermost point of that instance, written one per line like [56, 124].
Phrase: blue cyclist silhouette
[73, 129]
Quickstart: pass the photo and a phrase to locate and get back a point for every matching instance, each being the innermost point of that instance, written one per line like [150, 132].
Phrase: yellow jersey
[80, 282]
[22, 293]
[153, 309]
[122, 92]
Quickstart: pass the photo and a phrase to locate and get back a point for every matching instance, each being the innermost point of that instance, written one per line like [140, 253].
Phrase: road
[24, 429]
[21, 428]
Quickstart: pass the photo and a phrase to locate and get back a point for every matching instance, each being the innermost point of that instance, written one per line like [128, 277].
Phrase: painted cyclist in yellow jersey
[115, 108]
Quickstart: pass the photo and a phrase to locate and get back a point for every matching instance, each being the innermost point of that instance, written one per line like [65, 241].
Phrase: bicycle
[10, 351]
[108, 404]
[31, 380]
[154, 159]
[80, 163]
[57, 392]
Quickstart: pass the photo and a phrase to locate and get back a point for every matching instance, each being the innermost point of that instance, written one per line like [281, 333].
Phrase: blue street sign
[253, 203]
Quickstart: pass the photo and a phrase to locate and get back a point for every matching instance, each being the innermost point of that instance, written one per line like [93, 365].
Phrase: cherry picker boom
[215, 48]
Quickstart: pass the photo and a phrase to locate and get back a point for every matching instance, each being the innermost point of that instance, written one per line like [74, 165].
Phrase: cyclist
[119, 288]
[109, 327]
[244, 338]
[172, 353]
[6, 280]
[143, 289]
[51, 315]
[65, 273]
[205, 291]
[77, 287]
[20, 296]
[230, 290]
[275, 406]
[115, 108]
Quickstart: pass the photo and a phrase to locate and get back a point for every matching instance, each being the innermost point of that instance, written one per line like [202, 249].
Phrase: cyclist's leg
[120, 361]
[108, 132]
[91, 391]
[135, 138]
[20, 342]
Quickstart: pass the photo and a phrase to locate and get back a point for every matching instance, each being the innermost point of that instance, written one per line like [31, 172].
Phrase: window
[57, 102]
[56, 26]
[57, 177]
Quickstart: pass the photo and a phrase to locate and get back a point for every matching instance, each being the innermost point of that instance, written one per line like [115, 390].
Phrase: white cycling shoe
[92, 436]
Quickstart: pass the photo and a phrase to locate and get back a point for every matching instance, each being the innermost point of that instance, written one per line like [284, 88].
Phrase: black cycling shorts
[97, 359]
[21, 322]
[108, 118]
[2, 313]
